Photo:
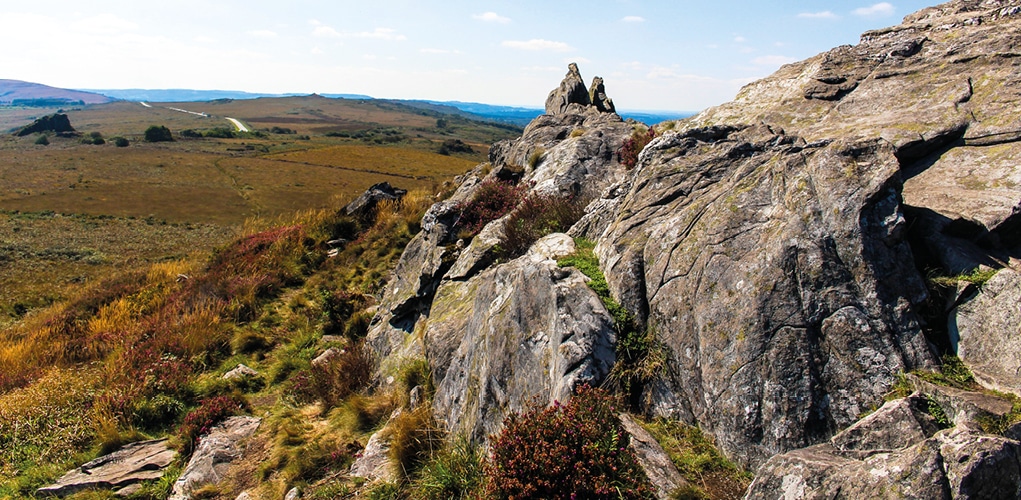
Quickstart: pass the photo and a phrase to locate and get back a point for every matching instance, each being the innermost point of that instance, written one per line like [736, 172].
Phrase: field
[72, 212]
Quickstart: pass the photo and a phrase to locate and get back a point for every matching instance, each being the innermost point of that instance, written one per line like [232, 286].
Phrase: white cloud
[378, 34]
[881, 9]
[316, 51]
[262, 33]
[205, 39]
[818, 15]
[538, 44]
[491, 17]
[633, 19]
[579, 60]
[740, 39]
[772, 60]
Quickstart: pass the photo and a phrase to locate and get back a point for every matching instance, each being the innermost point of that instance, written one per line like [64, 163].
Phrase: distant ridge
[17, 92]
[190, 95]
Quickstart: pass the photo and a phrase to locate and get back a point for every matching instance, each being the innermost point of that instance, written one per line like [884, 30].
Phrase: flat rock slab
[130, 465]
[216, 451]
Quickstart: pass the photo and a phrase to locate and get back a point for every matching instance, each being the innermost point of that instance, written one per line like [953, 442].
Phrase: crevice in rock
[917, 156]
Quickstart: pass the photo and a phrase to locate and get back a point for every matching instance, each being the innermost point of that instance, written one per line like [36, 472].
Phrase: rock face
[658, 467]
[217, 449]
[773, 246]
[897, 452]
[128, 466]
[58, 123]
[989, 330]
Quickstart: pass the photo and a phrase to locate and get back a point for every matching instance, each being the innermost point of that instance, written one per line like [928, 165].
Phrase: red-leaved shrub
[537, 216]
[577, 450]
[628, 152]
[202, 419]
[492, 200]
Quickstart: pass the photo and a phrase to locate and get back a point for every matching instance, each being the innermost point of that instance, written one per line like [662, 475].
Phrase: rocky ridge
[776, 247]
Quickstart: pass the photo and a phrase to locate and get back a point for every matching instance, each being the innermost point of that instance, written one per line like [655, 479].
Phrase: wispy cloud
[633, 19]
[262, 33]
[740, 39]
[538, 44]
[378, 34]
[818, 15]
[491, 17]
[772, 60]
[881, 9]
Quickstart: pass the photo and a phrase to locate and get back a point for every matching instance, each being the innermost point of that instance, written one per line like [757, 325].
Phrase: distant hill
[190, 95]
[519, 116]
[17, 92]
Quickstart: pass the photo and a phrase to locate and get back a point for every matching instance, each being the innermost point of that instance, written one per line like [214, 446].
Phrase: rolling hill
[18, 92]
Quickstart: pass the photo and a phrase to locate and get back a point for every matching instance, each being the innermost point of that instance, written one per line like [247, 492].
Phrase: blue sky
[675, 55]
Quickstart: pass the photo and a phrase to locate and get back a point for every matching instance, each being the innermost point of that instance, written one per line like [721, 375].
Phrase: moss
[977, 277]
[709, 472]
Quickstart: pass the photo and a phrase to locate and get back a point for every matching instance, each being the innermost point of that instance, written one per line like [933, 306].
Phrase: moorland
[81, 207]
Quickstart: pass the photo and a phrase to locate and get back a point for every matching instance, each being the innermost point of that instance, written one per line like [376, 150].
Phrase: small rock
[240, 371]
[326, 356]
[244, 496]
[374, 462]
[661, 471]
[293, 494]
[415, 397]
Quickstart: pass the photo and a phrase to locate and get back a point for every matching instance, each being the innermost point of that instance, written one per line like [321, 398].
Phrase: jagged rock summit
[572, 91]
[57, 122]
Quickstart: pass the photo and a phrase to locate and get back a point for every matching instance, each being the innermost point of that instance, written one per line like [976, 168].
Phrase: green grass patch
[698, 460]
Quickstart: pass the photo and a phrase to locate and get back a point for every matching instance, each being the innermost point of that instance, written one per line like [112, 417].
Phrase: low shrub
[537, 216]
[577, 450]
[42, 140]
[120, 142]
[492, 200]
[158, 133]
[202, 419]
[633, 146]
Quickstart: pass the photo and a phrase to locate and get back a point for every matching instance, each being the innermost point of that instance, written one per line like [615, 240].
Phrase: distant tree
[120, 142]
[94, 138]
[191, 133]
[158, 133]
[43, 140]
[441, 123]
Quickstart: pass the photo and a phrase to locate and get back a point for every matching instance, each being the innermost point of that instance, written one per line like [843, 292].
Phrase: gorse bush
[158, 133]
[537, 216]
[492, 199]
[577, 450]
[629, 151]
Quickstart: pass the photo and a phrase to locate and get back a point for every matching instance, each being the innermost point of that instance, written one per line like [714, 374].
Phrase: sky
[665, 55]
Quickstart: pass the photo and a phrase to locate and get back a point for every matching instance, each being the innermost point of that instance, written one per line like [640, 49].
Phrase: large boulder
[897, 452]
[364, 205]
[217, 450]
[118, 471]
[775, 273]
[988, 328]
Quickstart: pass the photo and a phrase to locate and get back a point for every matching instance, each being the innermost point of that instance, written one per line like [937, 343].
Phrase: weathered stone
[897, 424]
[293, 494]
[130, 465]
[216, 451]
[325, 356]
[365, 204]
[240, 371]
[989, 331]
[598, 97]
[492, 349]
[658, 467]
[571, 91]
[778, 283]
[373, 463]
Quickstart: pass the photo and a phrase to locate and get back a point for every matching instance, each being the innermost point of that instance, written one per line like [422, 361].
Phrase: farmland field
[72, 212]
